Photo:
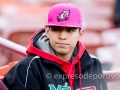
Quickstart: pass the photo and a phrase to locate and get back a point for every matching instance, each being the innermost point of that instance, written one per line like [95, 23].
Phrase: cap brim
[63, 25]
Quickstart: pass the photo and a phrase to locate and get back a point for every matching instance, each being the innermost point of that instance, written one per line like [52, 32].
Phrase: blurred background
[19, 19]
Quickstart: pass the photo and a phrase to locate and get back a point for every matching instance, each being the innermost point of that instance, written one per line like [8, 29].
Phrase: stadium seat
[3, 57]
[109, 54]
[111, 36]
[6, 68]
[22, 38]
[97, 14]
[7, 1]
[1, 31]
[92, 40]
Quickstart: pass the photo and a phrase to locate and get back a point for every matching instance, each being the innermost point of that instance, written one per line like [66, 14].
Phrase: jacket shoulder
[96, 60]
[92, 56]
[29, 59]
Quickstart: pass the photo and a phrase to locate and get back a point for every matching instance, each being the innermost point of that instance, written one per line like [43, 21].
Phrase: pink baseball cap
[64, 14]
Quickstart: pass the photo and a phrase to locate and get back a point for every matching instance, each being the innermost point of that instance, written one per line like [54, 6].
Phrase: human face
[63, 39]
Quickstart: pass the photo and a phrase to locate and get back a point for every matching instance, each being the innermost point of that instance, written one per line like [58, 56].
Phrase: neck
[64, 57]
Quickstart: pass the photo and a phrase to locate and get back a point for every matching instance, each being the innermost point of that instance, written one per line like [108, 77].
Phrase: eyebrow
[66, 27]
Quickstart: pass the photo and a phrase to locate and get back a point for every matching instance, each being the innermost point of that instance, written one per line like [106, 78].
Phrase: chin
[62, 52]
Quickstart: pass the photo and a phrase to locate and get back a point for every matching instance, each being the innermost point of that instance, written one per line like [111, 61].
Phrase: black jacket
[42, 70]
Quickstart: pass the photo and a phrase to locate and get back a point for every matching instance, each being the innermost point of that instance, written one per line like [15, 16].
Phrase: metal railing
[110, 76]
[12, 46]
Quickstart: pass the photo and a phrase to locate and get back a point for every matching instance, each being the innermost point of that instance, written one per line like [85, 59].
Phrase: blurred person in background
[117, 13]
[2, 86]
[56, 59]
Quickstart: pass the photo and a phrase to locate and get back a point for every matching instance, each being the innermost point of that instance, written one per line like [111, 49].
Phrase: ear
[81, 33]
[47, 31]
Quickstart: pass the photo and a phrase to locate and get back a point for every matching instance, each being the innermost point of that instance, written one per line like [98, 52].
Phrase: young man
[56, 59]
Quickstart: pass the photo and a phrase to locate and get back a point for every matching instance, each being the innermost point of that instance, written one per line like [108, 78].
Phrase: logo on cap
[64, 15]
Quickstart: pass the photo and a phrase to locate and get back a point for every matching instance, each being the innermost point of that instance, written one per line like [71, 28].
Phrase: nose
[63, 35]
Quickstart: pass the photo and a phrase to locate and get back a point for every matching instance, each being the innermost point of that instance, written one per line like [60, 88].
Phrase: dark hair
[80, 29]
[51, 26]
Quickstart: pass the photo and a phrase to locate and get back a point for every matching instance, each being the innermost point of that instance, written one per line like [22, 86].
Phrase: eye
[71, 30]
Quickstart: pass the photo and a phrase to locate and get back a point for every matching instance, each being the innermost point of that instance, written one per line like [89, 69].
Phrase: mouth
[62, 44]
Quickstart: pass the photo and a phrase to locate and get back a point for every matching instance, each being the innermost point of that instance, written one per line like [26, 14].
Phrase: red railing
[110, 76]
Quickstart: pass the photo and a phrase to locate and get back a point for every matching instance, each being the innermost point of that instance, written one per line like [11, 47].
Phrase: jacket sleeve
[22, 77]
[103, 84]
